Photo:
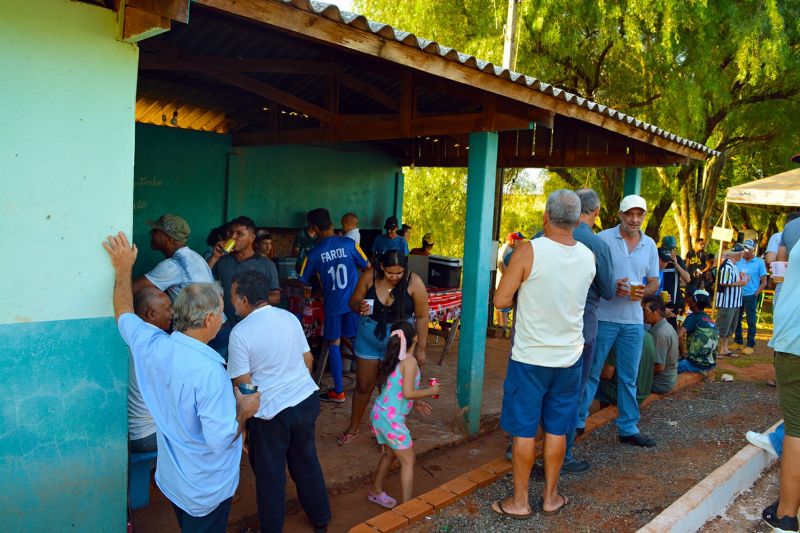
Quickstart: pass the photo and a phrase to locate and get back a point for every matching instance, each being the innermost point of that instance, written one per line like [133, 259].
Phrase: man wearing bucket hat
[754, 268]
[182, 265]
[620, 320]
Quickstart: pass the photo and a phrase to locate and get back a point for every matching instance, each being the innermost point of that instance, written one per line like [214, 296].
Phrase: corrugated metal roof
[386, 31]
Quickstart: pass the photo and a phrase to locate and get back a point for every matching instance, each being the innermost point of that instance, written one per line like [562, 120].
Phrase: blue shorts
[367, 345]
[533, 394]
[338, 326]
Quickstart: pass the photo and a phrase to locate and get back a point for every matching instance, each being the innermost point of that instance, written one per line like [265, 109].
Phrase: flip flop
[382, 499]
[554, 512]
[346, 438]
[727, 354]
[503, 512]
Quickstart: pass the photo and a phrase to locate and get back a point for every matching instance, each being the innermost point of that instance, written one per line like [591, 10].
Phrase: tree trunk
[657, 216]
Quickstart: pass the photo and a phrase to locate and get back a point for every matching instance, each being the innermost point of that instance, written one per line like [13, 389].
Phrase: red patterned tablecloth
[444, 304]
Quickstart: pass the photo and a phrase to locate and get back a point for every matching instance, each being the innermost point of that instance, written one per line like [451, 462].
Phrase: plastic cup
[665, 297]
[679, 320]
[637, 290]
[371, 303]
[778, 269]
[248, 388]
[307, 291]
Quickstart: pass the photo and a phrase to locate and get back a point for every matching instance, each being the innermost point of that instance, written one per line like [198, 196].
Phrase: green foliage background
[726, 74]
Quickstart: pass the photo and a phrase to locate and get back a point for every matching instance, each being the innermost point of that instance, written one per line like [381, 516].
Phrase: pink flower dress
[390, 410]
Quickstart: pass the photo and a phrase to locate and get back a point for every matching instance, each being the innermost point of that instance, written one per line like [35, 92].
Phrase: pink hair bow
[399, 333]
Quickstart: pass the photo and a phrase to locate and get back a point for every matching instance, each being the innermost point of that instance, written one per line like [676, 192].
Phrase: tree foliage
[726, 74]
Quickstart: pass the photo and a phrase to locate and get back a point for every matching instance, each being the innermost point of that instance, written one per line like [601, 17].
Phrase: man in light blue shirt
[620, 320]
[185, 387]
[786, 343]
[754, 268]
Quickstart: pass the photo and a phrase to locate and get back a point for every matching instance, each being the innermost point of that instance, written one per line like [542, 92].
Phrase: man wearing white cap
[620, 320]
[756, 272]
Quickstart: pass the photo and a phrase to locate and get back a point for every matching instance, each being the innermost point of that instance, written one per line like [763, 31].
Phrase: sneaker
[638, 440]
[575, 467]
[761, 440]
[735, 346]
[747, 351]
[785, 524]
[579, 431]
[332, 396]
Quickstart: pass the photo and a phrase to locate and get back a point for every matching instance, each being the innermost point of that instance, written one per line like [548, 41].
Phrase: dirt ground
[444, 453]
[697, 430]
[744, 514]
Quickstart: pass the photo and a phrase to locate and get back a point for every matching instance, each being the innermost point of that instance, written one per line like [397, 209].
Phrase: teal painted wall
[63, 426]
[200, 177]
[181, 172]
[68, 91]
[281, 183]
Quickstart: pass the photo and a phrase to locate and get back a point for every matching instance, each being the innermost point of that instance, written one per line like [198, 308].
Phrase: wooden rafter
[310, 26]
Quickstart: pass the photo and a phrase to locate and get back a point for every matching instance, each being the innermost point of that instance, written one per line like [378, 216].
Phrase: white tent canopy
[779, 190]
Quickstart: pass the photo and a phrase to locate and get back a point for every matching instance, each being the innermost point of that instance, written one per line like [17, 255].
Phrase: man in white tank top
[552, 276]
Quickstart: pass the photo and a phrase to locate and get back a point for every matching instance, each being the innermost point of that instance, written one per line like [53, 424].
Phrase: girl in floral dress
[398, 379]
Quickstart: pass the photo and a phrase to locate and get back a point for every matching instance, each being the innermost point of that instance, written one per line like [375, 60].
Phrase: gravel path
[697, 430]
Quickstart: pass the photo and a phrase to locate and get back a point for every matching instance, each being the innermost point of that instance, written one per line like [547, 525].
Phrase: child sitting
[350, 227]
[698, 336]
[398, 379]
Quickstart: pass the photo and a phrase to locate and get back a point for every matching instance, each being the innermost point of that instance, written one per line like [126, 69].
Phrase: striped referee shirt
[728, 296]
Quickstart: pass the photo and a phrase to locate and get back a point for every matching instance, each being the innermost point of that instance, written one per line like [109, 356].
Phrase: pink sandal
[382, 499]
[346, 438]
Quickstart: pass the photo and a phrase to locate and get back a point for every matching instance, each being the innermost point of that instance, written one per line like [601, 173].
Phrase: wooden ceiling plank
[369, 91]
[310, 26]
[177, 10]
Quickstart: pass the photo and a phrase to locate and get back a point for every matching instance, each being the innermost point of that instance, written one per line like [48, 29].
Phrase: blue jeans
[586, 361]
[628, 340]
[684, 365]
[748, 309]
[288, 440]
[776, 438]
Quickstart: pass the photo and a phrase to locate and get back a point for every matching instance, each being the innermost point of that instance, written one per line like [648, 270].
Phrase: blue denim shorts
[367, 345]
[533, 394]
[684, 365]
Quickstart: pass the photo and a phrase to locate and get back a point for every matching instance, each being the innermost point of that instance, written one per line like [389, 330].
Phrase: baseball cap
[172, 225]
[749, 244]
[796, 158]
[428, 238]
[390, 223]
[631, 201]
[664, 255]
[669, 242]
[736, 248]
[515, 236]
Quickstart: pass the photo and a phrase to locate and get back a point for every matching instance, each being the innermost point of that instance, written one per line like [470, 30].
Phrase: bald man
[152, 306]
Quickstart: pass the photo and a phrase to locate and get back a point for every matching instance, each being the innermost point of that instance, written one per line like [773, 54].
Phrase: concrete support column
[633, 181]
[481, 175]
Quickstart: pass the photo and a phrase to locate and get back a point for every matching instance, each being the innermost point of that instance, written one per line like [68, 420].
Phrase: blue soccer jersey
[335, 260]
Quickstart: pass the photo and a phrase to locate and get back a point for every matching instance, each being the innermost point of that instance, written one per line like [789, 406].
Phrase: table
[444, 307]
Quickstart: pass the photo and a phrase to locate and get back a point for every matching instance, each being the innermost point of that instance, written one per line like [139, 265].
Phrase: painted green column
[633, 181]
[481, 175]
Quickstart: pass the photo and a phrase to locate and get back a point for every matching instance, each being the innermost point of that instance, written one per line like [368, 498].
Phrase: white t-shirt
[269, 345]
[140, 421]
[354, 234]
[549, 323]
[184, 267]
[774, 243]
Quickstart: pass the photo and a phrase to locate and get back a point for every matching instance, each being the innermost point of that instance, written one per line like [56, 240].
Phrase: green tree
[725, 74]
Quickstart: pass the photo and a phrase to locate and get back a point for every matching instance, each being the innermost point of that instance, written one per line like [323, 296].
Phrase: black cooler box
[444, 272]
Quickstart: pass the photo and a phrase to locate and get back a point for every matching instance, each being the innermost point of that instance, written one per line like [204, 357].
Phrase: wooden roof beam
[310, 26]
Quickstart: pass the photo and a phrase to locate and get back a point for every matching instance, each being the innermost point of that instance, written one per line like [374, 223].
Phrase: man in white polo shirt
[268, 348]
[620, 320]
[551, 277]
